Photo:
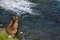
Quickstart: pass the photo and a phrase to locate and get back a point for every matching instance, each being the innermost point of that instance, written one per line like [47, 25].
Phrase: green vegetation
[5, 36]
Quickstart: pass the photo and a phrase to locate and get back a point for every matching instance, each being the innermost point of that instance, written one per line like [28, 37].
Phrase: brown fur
[12, 27]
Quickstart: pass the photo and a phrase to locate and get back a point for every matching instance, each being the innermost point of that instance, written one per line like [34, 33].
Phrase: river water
[37, 18]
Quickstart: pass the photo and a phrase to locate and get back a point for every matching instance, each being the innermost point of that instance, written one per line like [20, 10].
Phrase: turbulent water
[44, 26]
[18, 6]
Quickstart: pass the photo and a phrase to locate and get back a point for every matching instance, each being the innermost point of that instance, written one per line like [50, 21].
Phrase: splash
[18, 6]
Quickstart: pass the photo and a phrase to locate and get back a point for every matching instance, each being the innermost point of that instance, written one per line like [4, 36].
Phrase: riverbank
[5, 36]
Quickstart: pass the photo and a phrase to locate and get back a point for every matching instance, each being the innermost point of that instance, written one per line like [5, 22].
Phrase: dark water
[45, 26]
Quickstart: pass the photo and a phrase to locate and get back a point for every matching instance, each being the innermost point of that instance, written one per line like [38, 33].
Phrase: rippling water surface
[37, 18]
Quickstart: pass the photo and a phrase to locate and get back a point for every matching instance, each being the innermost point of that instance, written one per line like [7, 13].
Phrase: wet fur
[12, 27]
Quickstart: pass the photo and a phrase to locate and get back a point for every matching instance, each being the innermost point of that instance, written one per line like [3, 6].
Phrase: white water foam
[18, 6]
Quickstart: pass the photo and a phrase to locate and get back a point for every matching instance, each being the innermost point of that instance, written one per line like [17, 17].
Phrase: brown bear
[12, 27]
